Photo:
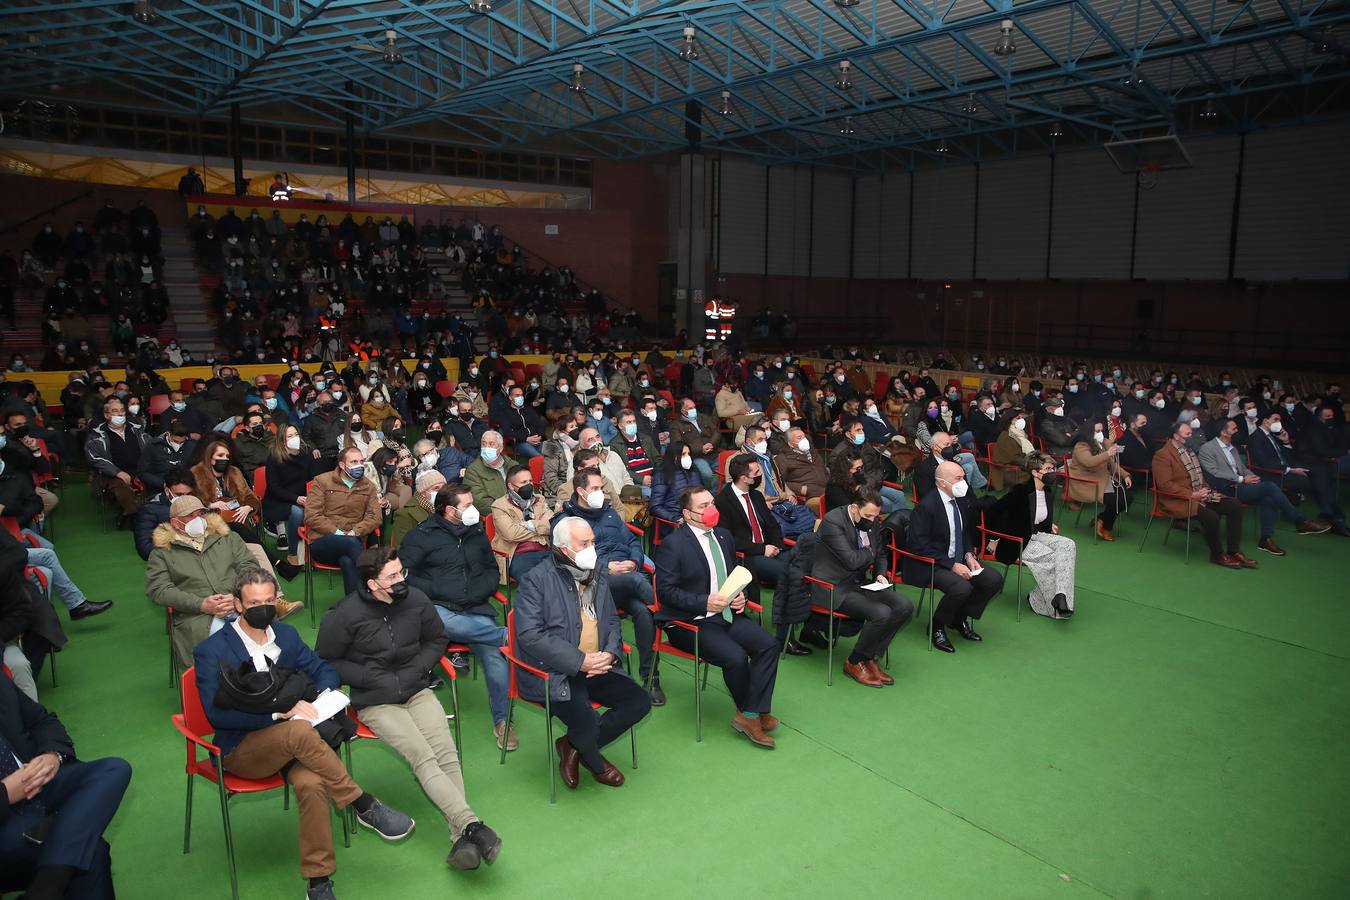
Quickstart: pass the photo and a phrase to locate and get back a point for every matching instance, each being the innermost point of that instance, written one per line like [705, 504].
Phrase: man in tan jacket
[1183, 495]
[520, 522]
[342, 508]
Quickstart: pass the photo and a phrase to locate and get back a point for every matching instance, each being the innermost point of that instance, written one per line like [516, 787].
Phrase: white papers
[876, 586]
[975, 570]
[737, 581]
[328, 704]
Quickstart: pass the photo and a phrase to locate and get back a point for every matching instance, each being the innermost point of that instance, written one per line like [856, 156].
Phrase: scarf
[1022, 443]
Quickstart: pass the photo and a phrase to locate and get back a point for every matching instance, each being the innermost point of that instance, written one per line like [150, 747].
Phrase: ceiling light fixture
[1323, 42]
[1005, 45]
[142, 11]
[480, 7]
[942, 146]
[689, 47]
[1056, 130]
[846, 4]
[971, 107]
[391, 52]
[577, 84]
[1210, 110]
[846, 127]
[725, 108]
[843, 82]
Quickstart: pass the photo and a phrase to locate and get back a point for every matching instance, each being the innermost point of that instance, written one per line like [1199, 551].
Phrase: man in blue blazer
[259, 745]
[943, 529]
[691, 564]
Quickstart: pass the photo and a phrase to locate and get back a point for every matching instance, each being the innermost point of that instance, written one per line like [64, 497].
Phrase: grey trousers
[1051, 559]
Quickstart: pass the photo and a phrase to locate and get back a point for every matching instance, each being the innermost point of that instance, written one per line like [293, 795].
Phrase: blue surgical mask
[630, 430]
[488, 454]
[692, 415]
[518, 401]
[179, 406]
[1289, 407]
[357, 472]
[859, 438]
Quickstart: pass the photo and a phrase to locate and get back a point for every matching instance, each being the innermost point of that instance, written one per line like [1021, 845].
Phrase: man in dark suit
[743, 512]
[53, 808]
[259, 745]
[942, 528]
[851, 544]
[691, 565]
[1272, 452]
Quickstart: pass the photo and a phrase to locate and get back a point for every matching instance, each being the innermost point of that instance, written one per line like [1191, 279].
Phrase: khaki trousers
[317, 774]
[417, 730]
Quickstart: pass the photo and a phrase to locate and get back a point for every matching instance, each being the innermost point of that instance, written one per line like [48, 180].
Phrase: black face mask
[221, 466]
[526, 492]
[20, 433]
[466, 416]
[387, 469]
[1049, 479]
[260, 617]
[860, 477]
[399, 591]
[396, 434]
[756, 482]
[433, 433]
[358, 426]
[949, 452]
[257, 431]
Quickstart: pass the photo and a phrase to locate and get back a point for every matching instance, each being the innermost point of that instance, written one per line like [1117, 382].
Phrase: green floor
[1184, 735]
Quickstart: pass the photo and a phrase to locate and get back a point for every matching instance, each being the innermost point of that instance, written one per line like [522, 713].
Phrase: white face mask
[595, 499]
[1019, 424]
[196, 528]
[293, 443]
[760, 447]
[686, 463]
[469, 516]
[1276, 427]
[119, 421]
[1159, 403]
[784, 424]
[1252, 413]
[959, 488]
[585, 559]
[429, 458]
[1058, 410]
[1098, 436]
[1115, 412]
[803, 445]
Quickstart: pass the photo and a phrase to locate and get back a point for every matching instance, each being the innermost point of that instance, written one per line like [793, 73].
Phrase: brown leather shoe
[569, 762]
[752, 729]
[1313, 526]
[768, 722]
[286, 608]
[1244, 560]
[610, 776]
[1269, 545]
[1227, 560]
[875, 668]
[861, 674]
[1103, 533]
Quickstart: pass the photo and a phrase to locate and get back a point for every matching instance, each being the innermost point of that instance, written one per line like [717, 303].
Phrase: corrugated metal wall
[944, 222]
[742, 217]
[1184, 221]
[867, 228]
[831, 225]
[1093, 213]
[1295, 215]
[1014, 218]
[895, 198]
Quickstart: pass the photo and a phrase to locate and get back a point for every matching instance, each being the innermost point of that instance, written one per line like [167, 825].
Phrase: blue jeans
[339, 550]
[704, 471]
[893, 500]
[1272, 502]
[485, 638]
[44, 558]
[632, 592]
[293, 523]
[973, 473]
[526, 450]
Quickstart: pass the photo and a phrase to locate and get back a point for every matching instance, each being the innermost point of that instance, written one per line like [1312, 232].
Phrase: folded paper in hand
[328, 704]
[876, 586]
[737, 581]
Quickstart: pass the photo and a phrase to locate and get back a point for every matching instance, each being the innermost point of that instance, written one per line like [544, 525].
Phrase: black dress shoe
[814, 638]
[1061, 605]
[792, 648]
[89, 608]
[658, 696]
[940, 641]
[286, 569]
[967, 632]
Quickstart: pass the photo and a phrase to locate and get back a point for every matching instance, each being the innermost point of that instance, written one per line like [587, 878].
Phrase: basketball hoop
[1148, 175]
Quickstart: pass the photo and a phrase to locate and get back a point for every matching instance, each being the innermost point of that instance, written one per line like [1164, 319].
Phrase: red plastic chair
[1157, 513]
[260, 482]
[157, 404]
[984, 555]
[312, 566]
[723, 458]
[925, 591]
[537, 471]
[454, 647]
[1069, 479]
[661, 644]
[445, 388]
[193, 725]
[832, 616]
[513, 694]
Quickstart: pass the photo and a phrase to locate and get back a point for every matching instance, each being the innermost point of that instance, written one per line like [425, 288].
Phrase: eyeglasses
[398, 576]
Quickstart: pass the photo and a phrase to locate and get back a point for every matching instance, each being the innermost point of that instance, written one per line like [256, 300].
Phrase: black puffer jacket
[792, 596]
[452, 564]
[384, 651]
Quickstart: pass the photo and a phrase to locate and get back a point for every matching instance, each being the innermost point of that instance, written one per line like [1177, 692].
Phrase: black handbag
[276, 690]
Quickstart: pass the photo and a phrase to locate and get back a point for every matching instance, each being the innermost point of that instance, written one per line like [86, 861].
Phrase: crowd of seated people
[108, 263]
[432, 498]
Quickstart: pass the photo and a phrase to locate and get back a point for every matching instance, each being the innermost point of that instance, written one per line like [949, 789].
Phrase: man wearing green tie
[692, 564]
